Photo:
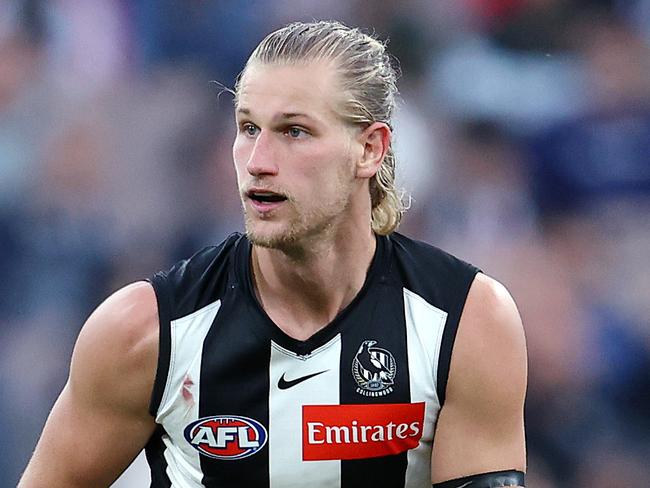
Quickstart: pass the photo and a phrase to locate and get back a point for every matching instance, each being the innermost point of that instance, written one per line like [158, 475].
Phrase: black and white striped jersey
[241, 404]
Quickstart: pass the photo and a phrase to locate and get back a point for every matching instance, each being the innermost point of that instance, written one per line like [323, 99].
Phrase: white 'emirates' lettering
[319, 433]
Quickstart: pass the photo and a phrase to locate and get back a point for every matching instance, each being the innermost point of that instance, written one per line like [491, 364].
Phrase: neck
[303, 290]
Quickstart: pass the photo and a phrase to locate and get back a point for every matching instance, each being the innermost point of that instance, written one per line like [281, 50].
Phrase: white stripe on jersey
[180, 401]
[424, 326]
[287, 469]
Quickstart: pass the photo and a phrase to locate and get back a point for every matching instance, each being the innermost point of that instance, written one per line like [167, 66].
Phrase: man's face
[294, 156]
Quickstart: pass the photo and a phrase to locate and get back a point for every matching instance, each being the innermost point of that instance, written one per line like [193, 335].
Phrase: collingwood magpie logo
[374, 370]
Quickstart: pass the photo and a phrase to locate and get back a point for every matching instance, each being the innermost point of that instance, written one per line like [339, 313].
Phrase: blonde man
[319, 349]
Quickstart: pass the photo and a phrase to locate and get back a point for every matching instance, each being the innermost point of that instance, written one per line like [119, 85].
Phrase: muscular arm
[481, 426]
[100, 421]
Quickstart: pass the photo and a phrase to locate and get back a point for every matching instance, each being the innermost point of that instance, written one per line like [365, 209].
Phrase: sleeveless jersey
[239, 403]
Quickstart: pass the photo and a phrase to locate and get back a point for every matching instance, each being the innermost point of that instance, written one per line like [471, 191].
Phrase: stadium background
[523, 137]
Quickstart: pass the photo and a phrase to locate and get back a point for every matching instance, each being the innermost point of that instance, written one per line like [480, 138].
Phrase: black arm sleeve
[495, 479]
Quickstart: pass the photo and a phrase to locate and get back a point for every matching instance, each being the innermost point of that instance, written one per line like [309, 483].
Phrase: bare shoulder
[127, 316]
[117, 349]
[490, 311]
[481, 425]
[490, 351]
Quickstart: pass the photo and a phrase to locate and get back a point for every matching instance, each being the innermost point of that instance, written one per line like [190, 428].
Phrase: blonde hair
[369, 82]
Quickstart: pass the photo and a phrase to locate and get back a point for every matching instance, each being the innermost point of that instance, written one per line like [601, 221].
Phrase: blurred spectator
[217, 35]
[87, 45]
[591, 181]
[484, 201]
[21, 51]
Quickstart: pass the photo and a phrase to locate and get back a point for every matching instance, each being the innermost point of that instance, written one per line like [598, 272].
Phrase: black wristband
[494, 479]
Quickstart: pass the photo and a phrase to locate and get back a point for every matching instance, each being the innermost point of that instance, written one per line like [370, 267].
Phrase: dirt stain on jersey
[187, 390]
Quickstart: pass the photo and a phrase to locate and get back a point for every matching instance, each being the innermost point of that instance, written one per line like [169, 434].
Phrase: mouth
[260, 196]
[265, 201]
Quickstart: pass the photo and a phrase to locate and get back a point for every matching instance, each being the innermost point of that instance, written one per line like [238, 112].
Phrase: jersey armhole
[448, 339]
[164, 301]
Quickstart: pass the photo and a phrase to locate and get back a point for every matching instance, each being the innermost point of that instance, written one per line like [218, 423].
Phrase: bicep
[480, 428]
[100, 421]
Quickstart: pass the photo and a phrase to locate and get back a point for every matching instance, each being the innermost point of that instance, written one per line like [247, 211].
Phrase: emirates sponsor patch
[337, 432]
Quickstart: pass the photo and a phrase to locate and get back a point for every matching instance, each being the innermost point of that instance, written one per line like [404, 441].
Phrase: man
[321, 348]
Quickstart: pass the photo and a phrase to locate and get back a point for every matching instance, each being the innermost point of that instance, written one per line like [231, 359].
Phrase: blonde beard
[303, 228]
[299, 232]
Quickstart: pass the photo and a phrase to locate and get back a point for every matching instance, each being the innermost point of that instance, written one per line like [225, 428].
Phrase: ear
[376, 141]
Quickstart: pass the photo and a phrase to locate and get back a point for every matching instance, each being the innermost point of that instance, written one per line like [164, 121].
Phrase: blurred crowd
[523, 140]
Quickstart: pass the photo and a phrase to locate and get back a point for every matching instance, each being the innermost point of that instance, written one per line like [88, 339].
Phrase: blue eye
[295, 132]
[249, 129]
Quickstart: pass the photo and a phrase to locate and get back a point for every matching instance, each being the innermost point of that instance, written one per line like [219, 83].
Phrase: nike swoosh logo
[284, 384]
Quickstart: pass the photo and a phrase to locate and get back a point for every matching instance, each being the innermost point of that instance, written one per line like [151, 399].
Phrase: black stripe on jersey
[385, 313]
[156, 459]
[188, 286]
[449, 337]
[443, 281]
[236, 385]
[202, 279]
[164, 300]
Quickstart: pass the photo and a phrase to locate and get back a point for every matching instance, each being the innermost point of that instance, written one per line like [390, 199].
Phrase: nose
[262, 160]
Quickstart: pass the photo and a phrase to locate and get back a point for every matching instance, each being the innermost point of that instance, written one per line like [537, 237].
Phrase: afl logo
[374, 369]
[226, 436]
